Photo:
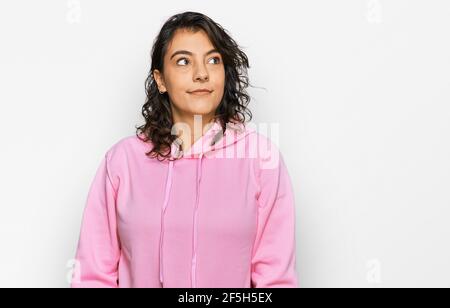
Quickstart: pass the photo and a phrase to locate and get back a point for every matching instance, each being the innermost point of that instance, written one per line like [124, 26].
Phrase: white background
[360, 89]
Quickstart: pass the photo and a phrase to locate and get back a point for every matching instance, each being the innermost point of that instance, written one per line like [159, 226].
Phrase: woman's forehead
[196, 43]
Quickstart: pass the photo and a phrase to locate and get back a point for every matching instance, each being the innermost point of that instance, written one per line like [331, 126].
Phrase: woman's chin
[202, 110]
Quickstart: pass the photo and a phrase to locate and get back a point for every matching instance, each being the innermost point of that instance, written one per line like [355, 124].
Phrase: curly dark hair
[156, 110]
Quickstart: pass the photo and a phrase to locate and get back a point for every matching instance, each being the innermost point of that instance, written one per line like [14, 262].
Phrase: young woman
[168, 208]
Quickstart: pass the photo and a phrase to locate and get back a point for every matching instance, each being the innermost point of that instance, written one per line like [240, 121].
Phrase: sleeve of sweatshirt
[273, 260]
[98, 251]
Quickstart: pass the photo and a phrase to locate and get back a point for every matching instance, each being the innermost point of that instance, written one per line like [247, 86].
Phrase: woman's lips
[201, 92]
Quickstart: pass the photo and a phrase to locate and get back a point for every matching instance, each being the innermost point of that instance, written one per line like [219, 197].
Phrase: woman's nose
[201, 73]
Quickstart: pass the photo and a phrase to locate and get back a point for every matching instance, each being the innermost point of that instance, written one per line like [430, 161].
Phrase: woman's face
[191, 63]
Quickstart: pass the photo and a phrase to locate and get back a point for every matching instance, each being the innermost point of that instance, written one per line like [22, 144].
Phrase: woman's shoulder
[127, 146]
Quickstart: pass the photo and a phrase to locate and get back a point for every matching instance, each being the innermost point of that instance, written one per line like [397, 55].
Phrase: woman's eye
[187, 61]
[182, 59]
[218, 59]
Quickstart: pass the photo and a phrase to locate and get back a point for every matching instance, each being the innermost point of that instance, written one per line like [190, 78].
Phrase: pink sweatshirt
[221, 216]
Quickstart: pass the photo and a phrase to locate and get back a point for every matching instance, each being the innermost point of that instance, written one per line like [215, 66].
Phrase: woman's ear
[159, 80]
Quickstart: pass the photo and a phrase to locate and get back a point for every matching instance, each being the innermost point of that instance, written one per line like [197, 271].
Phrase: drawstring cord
[195, 225]
[169, 180]
[166, 201]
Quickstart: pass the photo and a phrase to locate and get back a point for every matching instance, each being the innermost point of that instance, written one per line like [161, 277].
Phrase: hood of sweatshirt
[212, 140]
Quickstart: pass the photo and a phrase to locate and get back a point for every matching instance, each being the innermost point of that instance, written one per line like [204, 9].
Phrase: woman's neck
[190, 129]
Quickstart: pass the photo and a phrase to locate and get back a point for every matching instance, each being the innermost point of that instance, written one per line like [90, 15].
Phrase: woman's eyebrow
[186, 52]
